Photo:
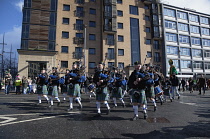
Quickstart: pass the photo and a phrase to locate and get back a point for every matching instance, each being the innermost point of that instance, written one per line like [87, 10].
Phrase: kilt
[75, 91]
[42, 90]
[117, 92]
[158, 90]
[150, 93]
[64, 88]
[55, 91]
[141, 99]
[102, 94]
[130, 92]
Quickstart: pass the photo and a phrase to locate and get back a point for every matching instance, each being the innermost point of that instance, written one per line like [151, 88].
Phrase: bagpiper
[138, 90]
[42, 81]
[75, 80]
[64, 84]
[53, 86]
[102, 96]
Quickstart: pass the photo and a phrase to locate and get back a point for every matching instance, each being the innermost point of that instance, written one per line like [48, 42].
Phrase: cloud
[198, 5]
[12, 37]
[19, 5]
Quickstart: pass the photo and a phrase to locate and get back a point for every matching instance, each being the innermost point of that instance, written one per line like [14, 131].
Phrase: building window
[64, 64]
[26, 15]
[51, 46]
[92, 0]
[146, 18]
[207, 65]
[183, 27]
[185, 64]
[171, 37]
[92, 65]
[92, 37]
[66, 21]
[92, 24]
[92, 51]
[53, 18]
[196, 53]
[194, 29]
[148, 41]
[119, 1]
[121, 65]
[149, 54]
[65, 34]
[111, 53]
[197, 65]
[79, 24]
[157, 57]
[175, 63]
[169, 12]
[120, 52]
[79, 12]
[184, 39]
[110, 65]
[204, 20]
[185, 51]
[25, 31]
[146, 6]
[134, 10]
[110, 39]
[205, 31]
[156, 44]
[170, 24]
[64, 49]
[206, 42]
[27, 3]
[196, 41]
[120, 38]
[181, 15]
[172, 50]
[120, 25]
[147, 29]
[66, 7]
[92, 11]
[119, 13]
[53, 5]
[193, 18]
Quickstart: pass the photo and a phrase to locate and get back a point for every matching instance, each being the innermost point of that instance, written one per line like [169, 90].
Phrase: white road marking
[9, 119]
[21, 102]
[192, 104]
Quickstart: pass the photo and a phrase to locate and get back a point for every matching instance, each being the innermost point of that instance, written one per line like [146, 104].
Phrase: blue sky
[11, 15]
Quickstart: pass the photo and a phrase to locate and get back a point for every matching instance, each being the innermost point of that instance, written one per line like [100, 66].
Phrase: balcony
[147, 1]
[109, 2]
[78, 26]
[77, 55]
[78, 40]
[110, 41]
[155, 11]
[157, 59]
[110, 28]
[108, 14]
[79, 1]
[79, 13]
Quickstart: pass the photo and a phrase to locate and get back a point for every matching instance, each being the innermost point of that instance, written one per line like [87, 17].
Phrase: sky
[11, 19]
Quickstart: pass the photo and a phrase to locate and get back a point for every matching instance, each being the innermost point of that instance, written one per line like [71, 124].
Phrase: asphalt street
[22, 118]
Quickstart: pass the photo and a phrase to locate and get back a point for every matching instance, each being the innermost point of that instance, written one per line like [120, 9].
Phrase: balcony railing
[79, 1]
[109, 2]
[78, 40]
[110, 41]
[146, 1]
[79, 13]
[77, 55]
[78, 26]
[108, 14]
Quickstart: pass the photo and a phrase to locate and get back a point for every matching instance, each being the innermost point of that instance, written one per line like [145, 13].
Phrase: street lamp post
[85, 43]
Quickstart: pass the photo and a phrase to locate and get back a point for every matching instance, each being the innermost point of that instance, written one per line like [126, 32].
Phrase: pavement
[22, 118]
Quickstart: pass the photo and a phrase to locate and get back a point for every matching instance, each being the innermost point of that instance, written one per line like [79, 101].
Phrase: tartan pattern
[150, 93]
[74, 91]
[142, 98]
[103, 95]
[55, 91]
[43, 90]
[117, 93]
[64, 89]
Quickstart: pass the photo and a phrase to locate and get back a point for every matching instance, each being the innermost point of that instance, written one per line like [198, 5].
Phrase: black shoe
[171, 100]
[155, 108]
[98, 115]
[134, 118]
[38, 103]
[70, 109]
[58, 104]
[161, 102]
[178, 97]
[108, 111]
[145, 116]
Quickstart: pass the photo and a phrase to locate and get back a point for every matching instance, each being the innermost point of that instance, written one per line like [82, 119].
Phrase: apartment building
[57, 33]
[186, 40]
